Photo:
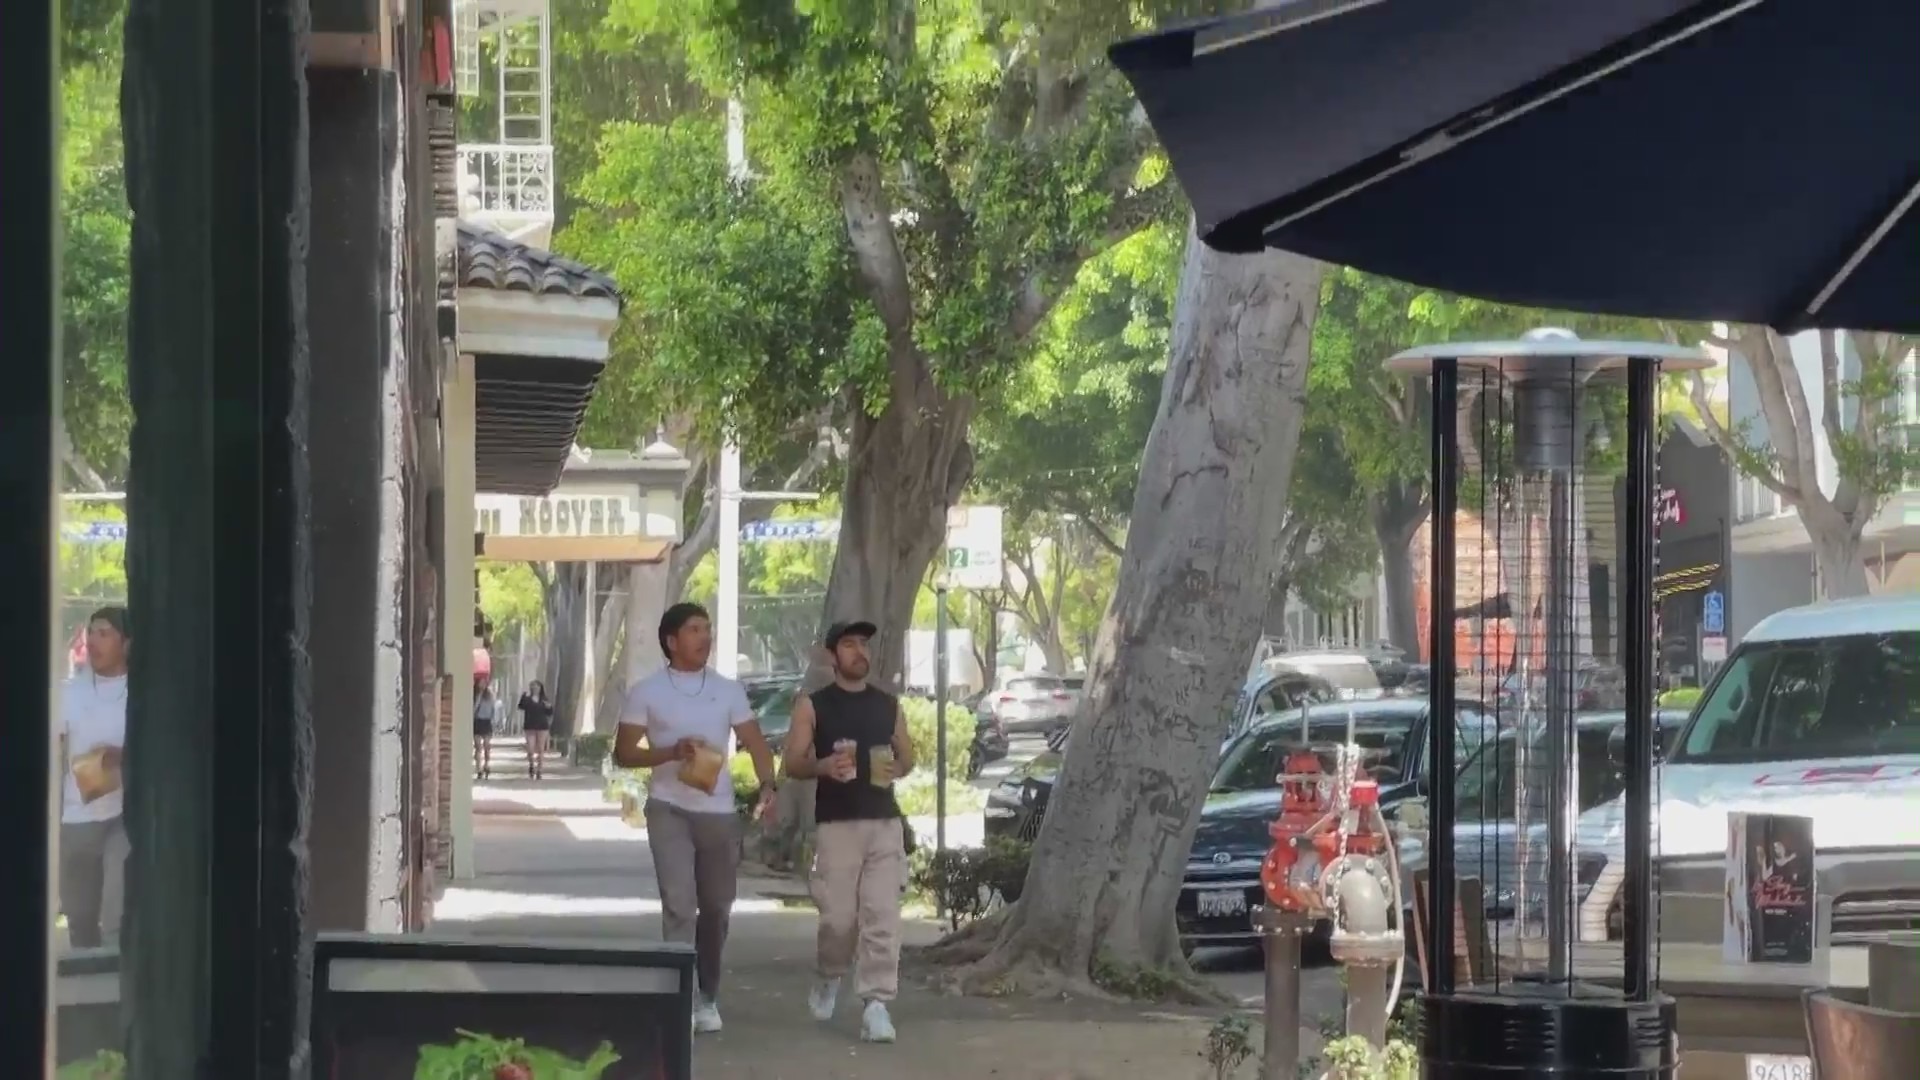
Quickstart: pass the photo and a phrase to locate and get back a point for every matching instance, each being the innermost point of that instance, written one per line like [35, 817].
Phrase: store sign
[1667, 509]
[567, 513]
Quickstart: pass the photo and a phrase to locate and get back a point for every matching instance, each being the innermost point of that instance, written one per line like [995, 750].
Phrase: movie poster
[1770, 890]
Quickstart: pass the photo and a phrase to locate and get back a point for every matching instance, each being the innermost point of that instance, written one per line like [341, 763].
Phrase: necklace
[675, 683]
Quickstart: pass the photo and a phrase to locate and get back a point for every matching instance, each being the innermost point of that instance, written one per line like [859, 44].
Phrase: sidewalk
[554, 865]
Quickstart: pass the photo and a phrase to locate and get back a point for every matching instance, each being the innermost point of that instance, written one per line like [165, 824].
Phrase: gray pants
[93, 880]
[696, 859]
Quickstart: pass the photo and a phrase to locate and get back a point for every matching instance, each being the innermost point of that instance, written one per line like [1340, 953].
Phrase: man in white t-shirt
[93, 737]
[694, 834]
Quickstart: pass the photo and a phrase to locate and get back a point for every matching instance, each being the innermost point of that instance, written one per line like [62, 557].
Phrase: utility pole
[726, 640]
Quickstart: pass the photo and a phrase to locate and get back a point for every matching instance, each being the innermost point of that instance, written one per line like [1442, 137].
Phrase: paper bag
[93, 777]
[703, 772]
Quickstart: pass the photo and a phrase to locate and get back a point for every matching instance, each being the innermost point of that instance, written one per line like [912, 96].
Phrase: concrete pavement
[554, 865]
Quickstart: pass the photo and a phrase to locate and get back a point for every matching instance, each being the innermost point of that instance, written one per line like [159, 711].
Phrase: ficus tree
[938, 173]
[1866, 386]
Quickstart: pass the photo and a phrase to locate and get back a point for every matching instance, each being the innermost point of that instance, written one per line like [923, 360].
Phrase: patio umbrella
[1749, 160]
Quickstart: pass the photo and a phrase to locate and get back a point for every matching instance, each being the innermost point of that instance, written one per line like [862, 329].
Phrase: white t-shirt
[674, 705]
[93, 712]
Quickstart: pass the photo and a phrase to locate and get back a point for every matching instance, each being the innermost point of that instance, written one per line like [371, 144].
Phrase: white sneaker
[822, 998]
[875, 1025]
[706, 1017]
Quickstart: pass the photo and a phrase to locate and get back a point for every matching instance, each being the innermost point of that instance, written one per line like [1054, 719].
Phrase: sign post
[1713, 613]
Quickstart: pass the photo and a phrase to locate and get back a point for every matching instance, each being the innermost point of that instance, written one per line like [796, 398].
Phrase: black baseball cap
[857, 628]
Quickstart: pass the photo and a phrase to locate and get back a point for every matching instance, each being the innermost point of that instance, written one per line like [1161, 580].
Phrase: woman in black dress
[539, 721]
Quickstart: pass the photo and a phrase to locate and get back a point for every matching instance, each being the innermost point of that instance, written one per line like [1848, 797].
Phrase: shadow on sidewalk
[552, 874]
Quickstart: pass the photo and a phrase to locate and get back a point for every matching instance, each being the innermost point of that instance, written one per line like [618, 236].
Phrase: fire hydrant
[1289, 878]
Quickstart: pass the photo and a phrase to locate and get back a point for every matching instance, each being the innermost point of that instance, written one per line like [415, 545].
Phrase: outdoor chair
[1853, 1041]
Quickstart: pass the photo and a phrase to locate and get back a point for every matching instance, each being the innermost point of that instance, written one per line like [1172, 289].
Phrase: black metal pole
[1636, 637]
[940, 717]
[1445, 450]
[27, 530]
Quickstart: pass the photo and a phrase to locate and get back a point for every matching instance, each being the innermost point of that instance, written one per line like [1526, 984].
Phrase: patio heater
[1526, 452]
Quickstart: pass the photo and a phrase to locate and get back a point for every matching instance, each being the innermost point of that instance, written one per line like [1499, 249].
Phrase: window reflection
[92, 636]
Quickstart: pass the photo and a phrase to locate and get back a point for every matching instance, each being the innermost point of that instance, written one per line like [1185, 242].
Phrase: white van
[1816, 714]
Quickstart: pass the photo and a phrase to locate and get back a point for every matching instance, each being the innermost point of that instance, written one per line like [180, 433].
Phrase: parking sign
[1713, 613]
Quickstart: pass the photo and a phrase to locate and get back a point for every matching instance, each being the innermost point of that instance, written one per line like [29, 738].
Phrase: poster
[1770, 909]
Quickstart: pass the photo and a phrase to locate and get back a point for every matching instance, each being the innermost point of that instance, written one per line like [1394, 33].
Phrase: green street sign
[956, 558]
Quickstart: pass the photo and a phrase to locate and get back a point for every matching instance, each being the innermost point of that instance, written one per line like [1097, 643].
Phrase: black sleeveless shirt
[867, 717]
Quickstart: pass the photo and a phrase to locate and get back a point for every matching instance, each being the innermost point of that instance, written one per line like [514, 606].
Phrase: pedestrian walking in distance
[680, 722]
[536, 723]
[93, 737]
[853, 738]
[484, 709]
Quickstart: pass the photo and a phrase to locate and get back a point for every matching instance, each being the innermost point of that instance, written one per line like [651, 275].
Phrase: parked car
[1275, 690]
[1596, 686]
[1487, 794]
[1016, 804]
[989, 739]
[1816, 713]
[1222, 884]
[772, 702]
[1030, 704]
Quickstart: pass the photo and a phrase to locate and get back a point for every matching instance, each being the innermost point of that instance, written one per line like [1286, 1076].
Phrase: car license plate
[1779, 1067]
[1212, 905]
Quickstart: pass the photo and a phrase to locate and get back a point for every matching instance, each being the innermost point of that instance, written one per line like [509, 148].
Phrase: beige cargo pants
[859, 868]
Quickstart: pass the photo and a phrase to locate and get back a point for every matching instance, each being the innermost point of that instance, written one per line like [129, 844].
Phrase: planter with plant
[485, 1057]
[105, 1065]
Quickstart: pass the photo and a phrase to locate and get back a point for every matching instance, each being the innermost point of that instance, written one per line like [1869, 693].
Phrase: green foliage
[592, 750]
[93, 570]
[1137, 981]
[98, 229]
[1353, 1058]
[922, 729]
[511, 599]
[477, 1055]
[740, 297]
[105, 1065]
[967, 883]
[1680, 697]
[1069, 431]
[1229, 1044]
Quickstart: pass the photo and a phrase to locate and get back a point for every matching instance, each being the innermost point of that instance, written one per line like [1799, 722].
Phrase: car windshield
[1805, 700]
[1486, 787]
[1033, 686]
[1254, 762]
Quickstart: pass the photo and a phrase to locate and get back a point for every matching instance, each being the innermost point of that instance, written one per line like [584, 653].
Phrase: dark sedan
[1016, 804]
[1222, 883]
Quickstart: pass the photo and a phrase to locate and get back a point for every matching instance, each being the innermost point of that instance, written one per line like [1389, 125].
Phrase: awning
[538, 327]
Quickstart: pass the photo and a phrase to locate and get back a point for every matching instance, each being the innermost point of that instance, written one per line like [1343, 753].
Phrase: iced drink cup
[880, 758]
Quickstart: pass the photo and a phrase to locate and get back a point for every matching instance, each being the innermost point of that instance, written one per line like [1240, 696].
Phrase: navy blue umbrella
[1749, 160]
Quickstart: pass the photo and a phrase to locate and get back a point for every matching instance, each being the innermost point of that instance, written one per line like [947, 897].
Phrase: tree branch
[876, 247]
[1736, 452]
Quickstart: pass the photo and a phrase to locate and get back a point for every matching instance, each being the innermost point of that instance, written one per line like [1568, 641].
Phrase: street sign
[1713, 649]
[1713, 613]
[974, 556]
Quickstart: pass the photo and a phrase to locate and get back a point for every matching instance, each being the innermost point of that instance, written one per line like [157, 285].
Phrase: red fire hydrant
[1302, 806]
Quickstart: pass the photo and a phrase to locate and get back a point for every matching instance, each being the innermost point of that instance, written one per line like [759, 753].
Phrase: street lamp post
[940, 711]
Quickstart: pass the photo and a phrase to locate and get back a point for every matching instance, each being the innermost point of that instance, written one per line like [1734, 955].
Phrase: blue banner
[95, 532]
[765, 532]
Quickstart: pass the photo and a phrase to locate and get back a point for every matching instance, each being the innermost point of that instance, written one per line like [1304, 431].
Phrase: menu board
[408, 1008]
[1770, 914]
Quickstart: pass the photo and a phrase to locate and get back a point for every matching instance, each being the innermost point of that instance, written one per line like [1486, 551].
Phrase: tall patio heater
[1528, 439]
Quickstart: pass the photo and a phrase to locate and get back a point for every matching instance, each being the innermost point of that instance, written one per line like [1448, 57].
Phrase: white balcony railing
[506, 181]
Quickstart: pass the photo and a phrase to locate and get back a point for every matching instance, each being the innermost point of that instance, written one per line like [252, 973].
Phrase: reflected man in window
[93, 734]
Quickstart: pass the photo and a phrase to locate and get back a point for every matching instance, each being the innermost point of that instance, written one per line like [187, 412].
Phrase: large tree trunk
[1836, 555]
[905, 467]
[1397, 513]
[1173, 648]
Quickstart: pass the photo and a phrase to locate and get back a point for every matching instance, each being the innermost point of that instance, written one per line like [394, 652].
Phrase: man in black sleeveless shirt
[853, 738]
